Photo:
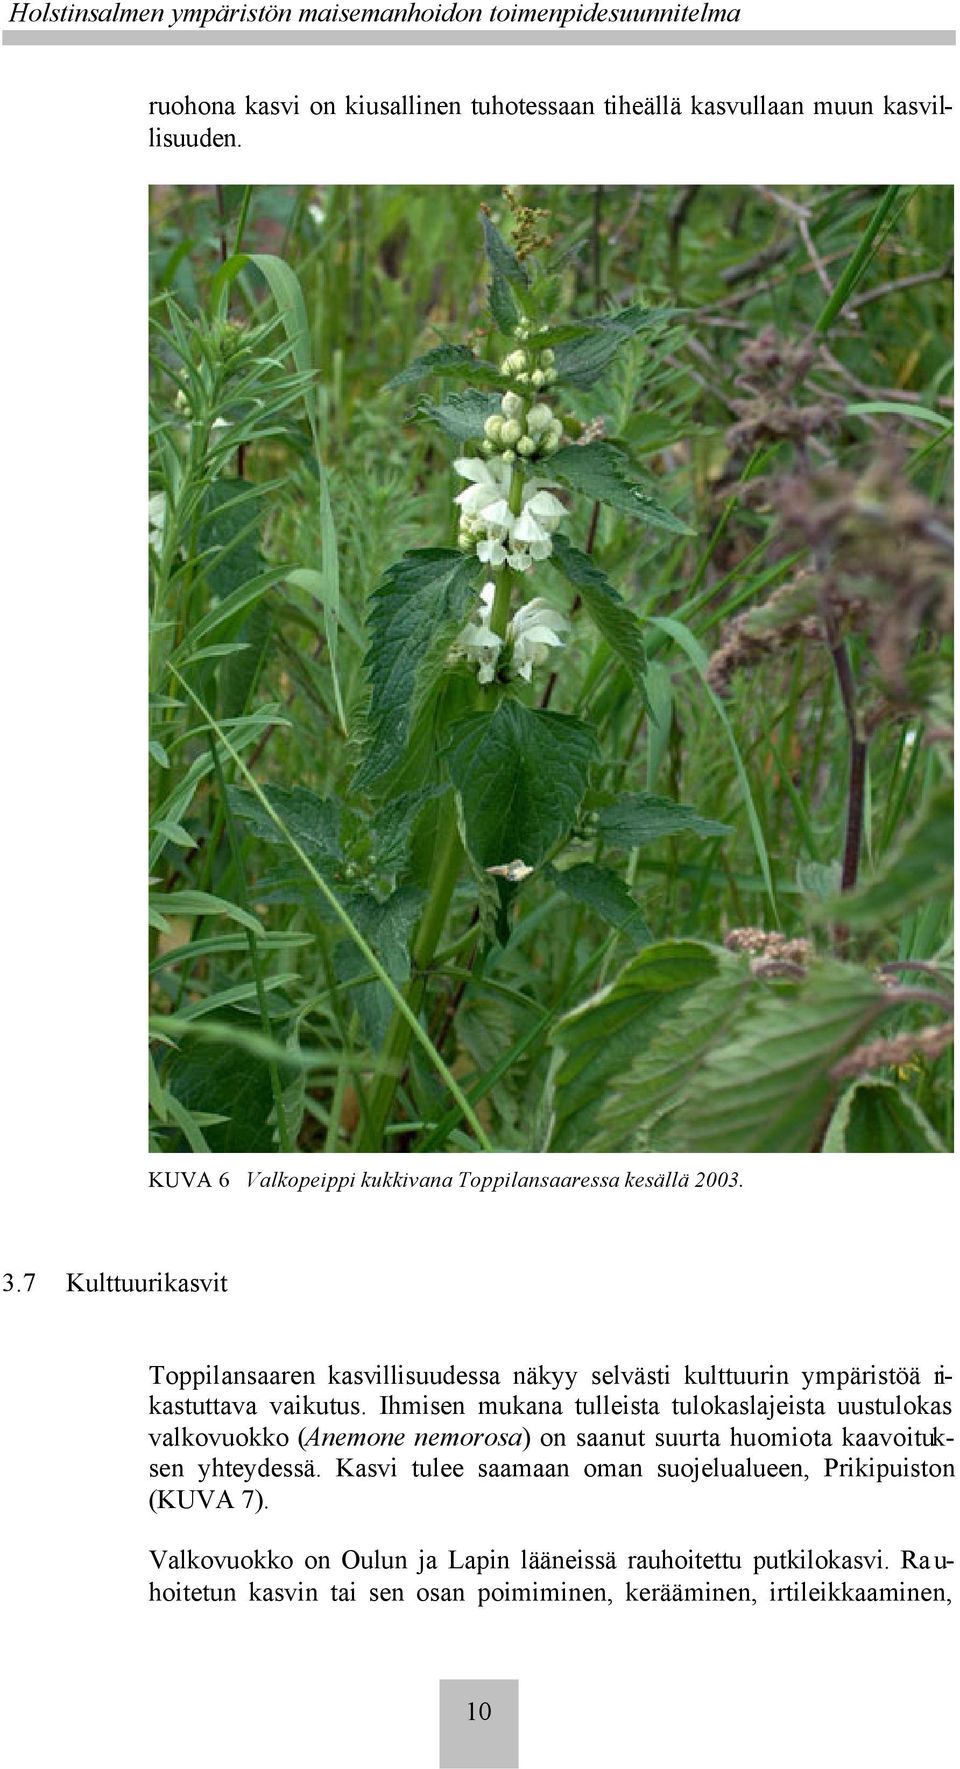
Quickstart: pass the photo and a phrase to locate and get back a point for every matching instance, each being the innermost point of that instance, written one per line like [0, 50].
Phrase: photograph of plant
[550, 669]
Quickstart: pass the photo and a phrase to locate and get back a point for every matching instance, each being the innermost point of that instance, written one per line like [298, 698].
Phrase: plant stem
[857, 778]
[283, 1134]
[448, 855]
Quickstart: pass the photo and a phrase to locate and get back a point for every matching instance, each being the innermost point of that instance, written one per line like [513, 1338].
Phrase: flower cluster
[488, 524]
[535, 630]
[525, 427]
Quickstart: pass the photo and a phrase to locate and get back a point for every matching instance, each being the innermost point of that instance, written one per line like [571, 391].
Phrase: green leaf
[605, 606]
[219, 1079]
[313, 821]
[457, 360]
[582, 359]
[228, 534]
[605, 893]
[876, 1117]
[393, 825]
[502, 260]
[189, 903]
[503, 308]
[597, 1041]
[639, 817]
[388, 927]
[635, 1111]
[769, 1088]
[460, 416]
[520, 775]
[415, 614]
[605, 472]
[916, 872]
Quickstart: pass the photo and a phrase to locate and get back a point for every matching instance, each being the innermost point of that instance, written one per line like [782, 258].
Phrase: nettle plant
[466, 644]
[476, 811]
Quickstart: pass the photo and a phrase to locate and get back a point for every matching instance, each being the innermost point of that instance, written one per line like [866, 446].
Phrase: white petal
[547, 509]
[527, 529]
[471, 467]
[499, 515]
[491, 552]
[519, 561]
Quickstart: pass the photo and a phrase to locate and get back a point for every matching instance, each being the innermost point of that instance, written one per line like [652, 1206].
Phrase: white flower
[477, 642]
[536, 629]
[520, 540]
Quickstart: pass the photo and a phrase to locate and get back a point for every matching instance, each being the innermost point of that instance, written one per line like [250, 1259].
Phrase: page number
[479, 1710]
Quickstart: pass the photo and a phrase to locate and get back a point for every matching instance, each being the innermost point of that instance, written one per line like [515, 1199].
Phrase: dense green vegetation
[551, 664]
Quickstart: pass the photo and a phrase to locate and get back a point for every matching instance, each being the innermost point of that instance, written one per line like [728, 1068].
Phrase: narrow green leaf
[606, 608]
[520, 775]
[202, 903]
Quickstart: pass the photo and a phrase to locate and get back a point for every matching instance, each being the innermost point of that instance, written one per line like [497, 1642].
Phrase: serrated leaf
[460, 416]
[876, 1117]
[605, 472]
[918, 871]
[635, 1111]
[392, 826]
[605, 893]
[388, 927]
[229, 1089]
[502, 260]
[455, 360]
[503, 308]
[596, 1042]
[520, 775]
[583, 359]
[769, 1088]
[610, 615]
[415, 614]
[636, 818]
[313, 821]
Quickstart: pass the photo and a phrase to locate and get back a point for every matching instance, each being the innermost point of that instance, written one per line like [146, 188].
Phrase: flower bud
[487, 447]
[549, 376]
[547, 358]
[515, 363]
[538, 378]
[510, 433]
[508, 455]
[538, 417]
[523, 378]
[512, 405]
[493, 427]
[527, 446]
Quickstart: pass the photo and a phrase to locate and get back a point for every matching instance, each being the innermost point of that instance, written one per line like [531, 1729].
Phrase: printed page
[509, 1320]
